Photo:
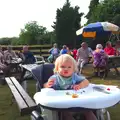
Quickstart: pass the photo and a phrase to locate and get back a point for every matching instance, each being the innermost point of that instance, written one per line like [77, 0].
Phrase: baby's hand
[76, 87]
[50, 83]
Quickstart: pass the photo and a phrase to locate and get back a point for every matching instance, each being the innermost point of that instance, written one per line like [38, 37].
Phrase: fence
[41, 50]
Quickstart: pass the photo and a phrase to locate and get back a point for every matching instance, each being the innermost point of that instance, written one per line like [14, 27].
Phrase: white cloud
[14, 14]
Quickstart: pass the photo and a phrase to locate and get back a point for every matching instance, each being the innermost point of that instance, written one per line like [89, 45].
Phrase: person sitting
[28, 57]
[64, 50]
[66, 78]
[109, 50]
[83, 54]
[68, 51]
[9, 54]
[54, 53]
[100, 59]
[3, 68]
[3, 65]
[117, 48]
[74, 53]
[1, 50]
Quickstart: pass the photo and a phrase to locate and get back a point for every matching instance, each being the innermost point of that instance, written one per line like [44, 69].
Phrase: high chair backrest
[42, 73]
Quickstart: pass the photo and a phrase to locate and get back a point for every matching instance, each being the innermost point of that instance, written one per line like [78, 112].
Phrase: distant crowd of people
[6, 56]
[84, 54]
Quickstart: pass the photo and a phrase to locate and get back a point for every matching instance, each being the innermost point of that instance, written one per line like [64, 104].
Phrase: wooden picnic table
[14, 61]
[29, 67]
[27, 73]
[114, 62]
[13, 68]
[14, 65]
[25, 102]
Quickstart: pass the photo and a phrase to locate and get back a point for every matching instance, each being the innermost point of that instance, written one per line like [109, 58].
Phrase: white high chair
[41, 74]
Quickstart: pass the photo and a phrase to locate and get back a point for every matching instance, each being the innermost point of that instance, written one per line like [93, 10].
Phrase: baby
[66, 77]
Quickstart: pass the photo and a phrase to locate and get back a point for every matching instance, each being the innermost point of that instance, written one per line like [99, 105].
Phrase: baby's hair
[62, 58]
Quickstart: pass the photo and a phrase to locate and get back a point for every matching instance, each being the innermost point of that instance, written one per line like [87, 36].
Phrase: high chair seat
[42, 73]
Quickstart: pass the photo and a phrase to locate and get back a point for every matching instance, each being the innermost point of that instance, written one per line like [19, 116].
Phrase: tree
[67, 22]
[92, 7]
[8, 41]
[107, 10]
[32, 33]
[116, 20]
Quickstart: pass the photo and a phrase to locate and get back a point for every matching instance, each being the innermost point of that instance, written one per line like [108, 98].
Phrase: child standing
[65, 77]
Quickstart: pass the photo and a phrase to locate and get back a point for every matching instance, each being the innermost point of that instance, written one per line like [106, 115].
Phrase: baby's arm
[50, 83]
[82, 84]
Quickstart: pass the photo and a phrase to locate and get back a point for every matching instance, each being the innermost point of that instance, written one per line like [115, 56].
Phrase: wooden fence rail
[41, 50]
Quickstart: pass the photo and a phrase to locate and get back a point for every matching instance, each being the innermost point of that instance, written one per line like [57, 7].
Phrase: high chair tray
[92, 97]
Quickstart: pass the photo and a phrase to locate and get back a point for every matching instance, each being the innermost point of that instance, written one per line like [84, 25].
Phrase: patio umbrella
[92, 29]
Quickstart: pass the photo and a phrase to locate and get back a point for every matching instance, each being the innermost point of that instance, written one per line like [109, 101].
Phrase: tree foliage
[8, 41]
[34, 34]
[31, 34]
[107, 10]
[67, 22]
[93, 5]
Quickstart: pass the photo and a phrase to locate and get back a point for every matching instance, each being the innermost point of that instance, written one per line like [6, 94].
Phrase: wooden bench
[25, 103]
[114, 62]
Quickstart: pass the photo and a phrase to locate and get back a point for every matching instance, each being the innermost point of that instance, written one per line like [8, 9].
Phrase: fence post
[40, 51]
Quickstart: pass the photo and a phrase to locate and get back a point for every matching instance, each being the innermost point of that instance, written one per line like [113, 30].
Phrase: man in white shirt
[83, 54]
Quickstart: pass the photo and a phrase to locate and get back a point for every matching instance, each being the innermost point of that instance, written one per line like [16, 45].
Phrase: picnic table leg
[38, 89]
[114, 66]
[24, 85]
[22, 81]
[116, 70]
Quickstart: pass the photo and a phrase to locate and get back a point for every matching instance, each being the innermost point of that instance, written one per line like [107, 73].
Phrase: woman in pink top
[109, 50]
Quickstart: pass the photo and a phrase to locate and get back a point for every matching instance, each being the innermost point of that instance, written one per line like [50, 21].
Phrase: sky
[14, 14]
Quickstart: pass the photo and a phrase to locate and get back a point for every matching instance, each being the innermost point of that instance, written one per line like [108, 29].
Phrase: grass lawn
[9, 110]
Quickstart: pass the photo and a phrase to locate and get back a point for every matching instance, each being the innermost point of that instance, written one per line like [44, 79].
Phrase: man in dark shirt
[28, 56]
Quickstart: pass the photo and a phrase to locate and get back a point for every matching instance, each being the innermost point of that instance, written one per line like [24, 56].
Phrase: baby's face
[66, 68]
